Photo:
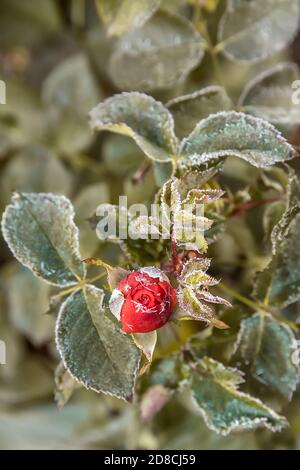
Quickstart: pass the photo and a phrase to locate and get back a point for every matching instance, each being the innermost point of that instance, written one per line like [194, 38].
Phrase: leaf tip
[219, 324]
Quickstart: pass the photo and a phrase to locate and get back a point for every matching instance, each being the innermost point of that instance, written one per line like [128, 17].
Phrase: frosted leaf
[116, 303]
[92, 346]
[121, 154]
[236, 134]
[195, 163]
[35, 168]
[199, 264]
[85, 202]
[175, 198]
[162, 172]
[146, 342]
[214, 299]
[145, 227]
[140, 117]
[198, 277]
[251, 31]
[272, 214]
[188, 222]
[40, 231]
[188, 230]
[203, 196]
[279, 283]
[158, 55]
[122, 16]
[272, 366]
[193, 295]
[292, 209]
[72, 133]
[269, 96]
[293, 189]
[184, 218]
[194, 274]
[27, 24]
[191, 180]
[223, 406]
[188, 110]
[165, 203]
[27, 300]
[65, 385]
[190, 303]
[153, 401]
[65, 87]
[215, 233]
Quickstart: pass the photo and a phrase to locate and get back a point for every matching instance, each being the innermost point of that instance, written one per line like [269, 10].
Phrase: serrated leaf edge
[87, 386]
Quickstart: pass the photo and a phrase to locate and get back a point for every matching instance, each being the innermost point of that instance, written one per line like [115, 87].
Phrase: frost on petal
[116, 302]
[154, 272]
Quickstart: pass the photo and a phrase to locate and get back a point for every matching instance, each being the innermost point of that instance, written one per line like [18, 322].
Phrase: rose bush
[143, 301]
[215, 156]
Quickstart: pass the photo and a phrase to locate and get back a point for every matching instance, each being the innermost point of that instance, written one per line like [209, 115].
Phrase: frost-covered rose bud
[143, 301]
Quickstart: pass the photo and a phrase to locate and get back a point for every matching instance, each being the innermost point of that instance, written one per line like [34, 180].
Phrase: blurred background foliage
[58, 60]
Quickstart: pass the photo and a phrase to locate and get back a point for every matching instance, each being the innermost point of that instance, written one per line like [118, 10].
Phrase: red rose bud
[143, 301]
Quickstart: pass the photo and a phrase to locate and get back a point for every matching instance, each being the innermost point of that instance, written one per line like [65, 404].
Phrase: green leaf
[166, 371]
[276, 178]
[37, 169]
[162, 171]
[122, 16]
[194, 305]
[188, 110]
[272, 214]
[153, 401]
[269, 96]
[158, 55]
[193, 296]
[40, 231]
[279, 282]
[71, 133]
[267, 346]
[194, 273]
[251, 31]
[121, 154]
[85, 203]
[236, 134]
[22, 119]
[27, 301]
[94, 350]
[71, 84]
[26, 23]
[30, 380]
[64, 385]
[69, 98]
[140, 117]
[223, 406]
[41, 426]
